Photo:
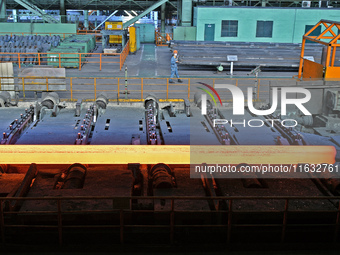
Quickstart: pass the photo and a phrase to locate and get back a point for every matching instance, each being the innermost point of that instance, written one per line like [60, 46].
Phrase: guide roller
[5, 98]
[153, 135]
[50, 100]
[3, 168]
[161, 177]
[75, 177]
[102, 100]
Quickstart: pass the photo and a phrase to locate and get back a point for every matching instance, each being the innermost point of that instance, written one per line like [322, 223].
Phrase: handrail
[138, 87]
[124, 54]
[229, 225]
[64, 59]
[97, 33]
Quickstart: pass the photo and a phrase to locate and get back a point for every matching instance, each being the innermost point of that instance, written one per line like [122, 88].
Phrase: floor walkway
[147, 64]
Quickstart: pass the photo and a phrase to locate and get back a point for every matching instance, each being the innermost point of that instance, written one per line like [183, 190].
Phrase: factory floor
[150, 61]
[153, 61]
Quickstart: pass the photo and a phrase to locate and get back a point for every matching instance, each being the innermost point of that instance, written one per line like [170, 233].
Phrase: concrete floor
[153, 61]
[148, 62]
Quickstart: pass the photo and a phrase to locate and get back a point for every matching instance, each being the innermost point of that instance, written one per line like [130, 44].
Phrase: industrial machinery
[73, 44]
[18, 127]
[135, 169]
[6, 99]
[324, 107]
[114, 37]
[49, 103]
[133, 39]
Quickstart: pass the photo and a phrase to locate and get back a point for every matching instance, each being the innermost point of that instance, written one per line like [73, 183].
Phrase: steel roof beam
[148, 10]
[106, 19]
[37, 11]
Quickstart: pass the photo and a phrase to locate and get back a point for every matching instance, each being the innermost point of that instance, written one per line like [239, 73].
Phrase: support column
[264, 2]
[3, 17]
[163, 18]
[179, 13]
[95, 22]
[15, 15]
[86, 20]
[186, 12]
[168, 17]
[62, 12]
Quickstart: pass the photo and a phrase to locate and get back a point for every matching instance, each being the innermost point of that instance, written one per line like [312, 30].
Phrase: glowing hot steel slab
[169, 154]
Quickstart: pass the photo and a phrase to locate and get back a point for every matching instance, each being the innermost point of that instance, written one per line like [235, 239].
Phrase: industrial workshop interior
[169, 126]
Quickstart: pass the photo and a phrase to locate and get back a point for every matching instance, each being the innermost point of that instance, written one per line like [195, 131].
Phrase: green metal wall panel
[138, 37]
[186, 12]
[83, 48]
[44, 28]
[146, 33]
[66, 60]
[185, 33]
[288, 23]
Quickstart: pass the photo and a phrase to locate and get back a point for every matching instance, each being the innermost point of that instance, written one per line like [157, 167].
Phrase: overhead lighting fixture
[128, 13]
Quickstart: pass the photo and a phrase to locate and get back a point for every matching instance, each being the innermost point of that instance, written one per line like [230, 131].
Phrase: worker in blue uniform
[174, 68]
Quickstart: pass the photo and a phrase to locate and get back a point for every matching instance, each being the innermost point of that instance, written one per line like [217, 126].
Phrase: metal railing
[285, 208]
[68, 60]
[123, 55]
[96, 33]
[137, 87]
